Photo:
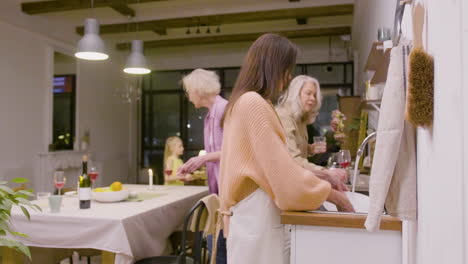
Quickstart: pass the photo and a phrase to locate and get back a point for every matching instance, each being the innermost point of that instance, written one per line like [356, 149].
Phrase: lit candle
[150, 175]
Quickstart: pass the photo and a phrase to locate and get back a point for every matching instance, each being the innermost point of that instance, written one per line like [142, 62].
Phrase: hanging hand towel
[393, 175]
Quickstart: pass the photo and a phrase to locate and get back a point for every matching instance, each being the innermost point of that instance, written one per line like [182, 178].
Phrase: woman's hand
[316, 148]
[335, 180]
[185, 177]
[341, 201]
[191, 165]
[339, 174]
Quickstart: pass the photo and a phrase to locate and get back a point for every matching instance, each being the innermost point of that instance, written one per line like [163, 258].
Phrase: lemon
[116, 186]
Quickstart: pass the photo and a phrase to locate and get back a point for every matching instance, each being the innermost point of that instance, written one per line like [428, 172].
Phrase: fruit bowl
[107, 196]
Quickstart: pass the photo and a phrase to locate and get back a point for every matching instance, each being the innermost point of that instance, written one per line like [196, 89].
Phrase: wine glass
[59, 180]
[333, 161]
[168, 171]
[93, 174]
[344, 158]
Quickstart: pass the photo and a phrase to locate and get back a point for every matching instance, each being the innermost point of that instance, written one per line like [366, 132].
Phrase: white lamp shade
[91, 46]
[136, 62]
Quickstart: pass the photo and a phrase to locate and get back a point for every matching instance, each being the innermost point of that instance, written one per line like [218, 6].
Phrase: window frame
[70, 146]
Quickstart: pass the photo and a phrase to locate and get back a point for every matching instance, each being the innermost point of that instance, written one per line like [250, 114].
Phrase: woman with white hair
[203, 88]
[297, 108]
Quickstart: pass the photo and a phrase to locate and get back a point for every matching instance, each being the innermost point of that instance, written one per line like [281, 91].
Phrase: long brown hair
[265, 69]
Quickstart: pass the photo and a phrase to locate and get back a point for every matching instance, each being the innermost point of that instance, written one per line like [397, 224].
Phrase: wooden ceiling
[292, 34]
[301, 14]
[161, 26]
[41, 7]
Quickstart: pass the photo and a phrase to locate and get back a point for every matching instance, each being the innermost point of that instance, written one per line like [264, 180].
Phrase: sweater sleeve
[291, 186]
[290, 132]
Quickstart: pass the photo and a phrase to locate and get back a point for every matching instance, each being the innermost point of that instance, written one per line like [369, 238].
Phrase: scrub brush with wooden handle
[420, 100]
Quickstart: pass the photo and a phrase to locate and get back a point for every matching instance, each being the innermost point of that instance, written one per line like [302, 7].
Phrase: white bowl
[359, 201]
[110, 197]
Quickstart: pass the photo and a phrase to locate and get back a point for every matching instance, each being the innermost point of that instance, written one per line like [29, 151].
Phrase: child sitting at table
[172, 152]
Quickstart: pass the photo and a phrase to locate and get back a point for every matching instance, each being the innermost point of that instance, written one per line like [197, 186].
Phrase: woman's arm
[290, 186]
[196, 162]
[289, 126]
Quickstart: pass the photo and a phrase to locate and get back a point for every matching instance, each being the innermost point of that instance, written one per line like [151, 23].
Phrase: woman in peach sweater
[258, 175]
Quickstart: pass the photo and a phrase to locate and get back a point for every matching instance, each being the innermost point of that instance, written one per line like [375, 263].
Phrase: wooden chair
[182, 257]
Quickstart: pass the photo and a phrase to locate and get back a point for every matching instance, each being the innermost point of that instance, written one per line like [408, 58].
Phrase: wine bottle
[84, 192]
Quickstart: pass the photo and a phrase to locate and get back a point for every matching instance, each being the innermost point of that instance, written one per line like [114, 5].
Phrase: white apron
[256, 235]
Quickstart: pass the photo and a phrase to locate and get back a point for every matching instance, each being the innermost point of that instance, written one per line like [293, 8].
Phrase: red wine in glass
[59, 180]
[59, 184]
[344, 158]
[93, 175]
[168, 172]
[344, 164]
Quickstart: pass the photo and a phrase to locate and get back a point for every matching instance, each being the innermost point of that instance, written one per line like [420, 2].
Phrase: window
[63, 98]
[63, 112]
[167, 112]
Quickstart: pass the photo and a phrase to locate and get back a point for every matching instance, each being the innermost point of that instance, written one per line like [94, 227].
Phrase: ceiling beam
[301, 21]
[292, 34]
[233, 18]
[160, 31]
[121, 7]
[34, 8]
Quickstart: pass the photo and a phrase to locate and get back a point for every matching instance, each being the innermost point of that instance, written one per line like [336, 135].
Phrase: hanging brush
[420, 100]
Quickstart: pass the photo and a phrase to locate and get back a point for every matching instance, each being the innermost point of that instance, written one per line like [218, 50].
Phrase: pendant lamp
[136, 62]
[91, 46]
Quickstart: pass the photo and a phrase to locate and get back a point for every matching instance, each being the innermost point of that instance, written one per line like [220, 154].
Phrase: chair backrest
[197, 246]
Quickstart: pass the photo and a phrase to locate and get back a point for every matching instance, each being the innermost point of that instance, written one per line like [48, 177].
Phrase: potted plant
[8, 199]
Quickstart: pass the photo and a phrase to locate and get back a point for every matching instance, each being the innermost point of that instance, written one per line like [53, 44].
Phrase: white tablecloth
[132, 230]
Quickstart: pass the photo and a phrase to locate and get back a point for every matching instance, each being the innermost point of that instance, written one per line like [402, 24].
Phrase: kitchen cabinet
[337, 238]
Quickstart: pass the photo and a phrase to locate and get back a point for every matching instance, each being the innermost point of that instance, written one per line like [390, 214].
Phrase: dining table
[125, 231]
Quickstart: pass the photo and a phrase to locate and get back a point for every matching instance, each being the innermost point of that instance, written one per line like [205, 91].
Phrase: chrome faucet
[369, 138]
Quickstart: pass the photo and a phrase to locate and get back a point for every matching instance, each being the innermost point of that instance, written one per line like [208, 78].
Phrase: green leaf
[4, 216]
[4, 226]
[21, 196]
[20, 180]
[24, 192]
[2, 232]
[15, 245]
[26, 213]
[4, 207]
[37, 207]
[19, 234]
[23, 201]
[6, 189]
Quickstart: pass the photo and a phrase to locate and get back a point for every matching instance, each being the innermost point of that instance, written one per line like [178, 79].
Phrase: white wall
[26, 71]
[23, 81]
[106, 118]
[442, 150]
[464, 68]
[441, 188]
[369, 15]
[64, 64]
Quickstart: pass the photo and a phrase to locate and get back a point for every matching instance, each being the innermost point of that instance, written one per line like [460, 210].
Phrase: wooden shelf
[346, 220]
[378, 62]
